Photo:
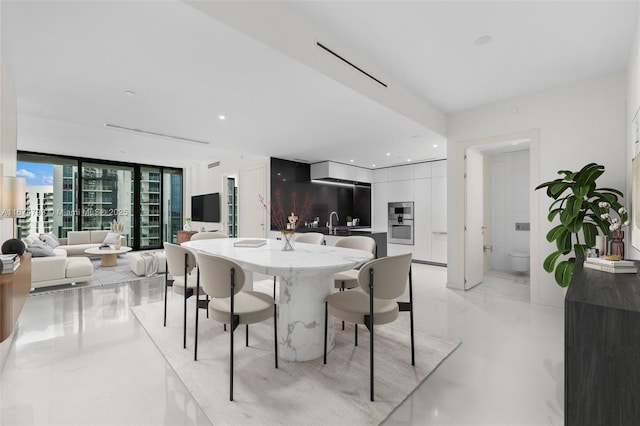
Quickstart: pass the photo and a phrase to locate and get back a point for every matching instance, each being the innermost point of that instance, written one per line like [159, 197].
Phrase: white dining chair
[180, 263]
[203, 304]
[223, 279]
[382, 281]
[349, 279]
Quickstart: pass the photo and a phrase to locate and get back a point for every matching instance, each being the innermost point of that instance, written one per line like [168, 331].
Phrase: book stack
[10, 263]
[611, 266]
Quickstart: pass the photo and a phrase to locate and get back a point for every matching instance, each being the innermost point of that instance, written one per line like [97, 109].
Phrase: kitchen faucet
[330, 222]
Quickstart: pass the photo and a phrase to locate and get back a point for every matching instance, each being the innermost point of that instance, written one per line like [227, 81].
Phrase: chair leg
[342, 289]
[231, 363]
[275, 331]
[325, 332]
[274, 287]
[413, 353]
[166, 287]
[355, 326]
[371, 321]
[184, 321]
[247, 334]
[207, 306]
[195, 347]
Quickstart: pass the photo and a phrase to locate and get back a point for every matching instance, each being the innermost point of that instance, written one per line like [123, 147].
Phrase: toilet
[519, 261]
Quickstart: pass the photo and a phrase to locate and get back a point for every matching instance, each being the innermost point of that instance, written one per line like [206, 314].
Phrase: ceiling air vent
[212, 165]
[326, 49]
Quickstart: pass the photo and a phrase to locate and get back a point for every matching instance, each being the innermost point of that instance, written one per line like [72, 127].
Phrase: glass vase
[288, 239]
[617, 245]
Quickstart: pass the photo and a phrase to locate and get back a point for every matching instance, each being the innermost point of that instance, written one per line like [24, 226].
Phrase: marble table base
[301, 316]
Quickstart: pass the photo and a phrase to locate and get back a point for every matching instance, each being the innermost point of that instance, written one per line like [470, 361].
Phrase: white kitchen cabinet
[363, 175]
[422, 220]
[422, 170]
[381, 175]
[401, 173]
[380, 211]
[401, 190]
[439, 168]
[439, 219]
[333, 170]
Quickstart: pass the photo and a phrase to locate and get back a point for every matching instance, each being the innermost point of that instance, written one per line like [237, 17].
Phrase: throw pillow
[32, 238]
[110, 238]
[40, 250]
[50, 240]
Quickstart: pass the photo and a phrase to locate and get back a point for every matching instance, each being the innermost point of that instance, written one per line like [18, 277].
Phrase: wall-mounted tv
[205, 208]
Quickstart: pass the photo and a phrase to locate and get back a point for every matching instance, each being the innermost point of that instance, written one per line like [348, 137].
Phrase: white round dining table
[306, 279]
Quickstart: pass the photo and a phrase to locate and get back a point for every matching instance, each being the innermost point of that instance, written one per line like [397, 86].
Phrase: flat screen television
[205, 208]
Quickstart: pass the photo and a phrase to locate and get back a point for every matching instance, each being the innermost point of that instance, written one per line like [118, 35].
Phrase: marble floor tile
[81, 358]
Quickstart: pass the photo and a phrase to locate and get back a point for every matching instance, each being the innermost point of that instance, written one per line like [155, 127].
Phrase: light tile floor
[81, 358]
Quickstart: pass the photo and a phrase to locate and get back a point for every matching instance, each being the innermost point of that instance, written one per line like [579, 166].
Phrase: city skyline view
[35, 173]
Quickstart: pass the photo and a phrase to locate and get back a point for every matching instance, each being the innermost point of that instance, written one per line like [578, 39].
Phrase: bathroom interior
[507, 219]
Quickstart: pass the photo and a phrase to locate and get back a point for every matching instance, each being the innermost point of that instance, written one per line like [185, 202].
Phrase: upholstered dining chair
[222, 279]
[349, 279]
[203, 304]
[208, 235]
[382, 281]
[309, 238]
[180, 264]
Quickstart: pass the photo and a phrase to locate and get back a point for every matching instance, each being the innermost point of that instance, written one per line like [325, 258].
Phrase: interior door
[251, 215]
[473, 212]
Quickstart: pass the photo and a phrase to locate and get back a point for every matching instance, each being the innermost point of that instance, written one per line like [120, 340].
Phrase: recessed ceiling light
[129, 93]
[408, 159]
[435, 145]
[388, 154]
[351, 161]
[373, 165]
[480, 41]
[222, 117]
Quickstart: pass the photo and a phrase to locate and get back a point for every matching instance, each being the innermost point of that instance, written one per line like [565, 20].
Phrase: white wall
[199, 179]
[509, 204]
[633, 105]
[8, 139]
[578, 123]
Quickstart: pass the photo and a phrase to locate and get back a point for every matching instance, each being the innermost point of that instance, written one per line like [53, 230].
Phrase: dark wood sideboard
[602, 349]
[14, 290]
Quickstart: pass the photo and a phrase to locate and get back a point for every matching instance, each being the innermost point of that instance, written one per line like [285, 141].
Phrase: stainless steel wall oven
[401, 223]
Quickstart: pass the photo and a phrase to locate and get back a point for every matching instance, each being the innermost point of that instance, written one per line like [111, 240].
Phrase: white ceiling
[72, 61]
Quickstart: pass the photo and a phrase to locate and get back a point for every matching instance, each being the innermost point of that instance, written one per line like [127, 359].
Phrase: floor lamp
[13, 199]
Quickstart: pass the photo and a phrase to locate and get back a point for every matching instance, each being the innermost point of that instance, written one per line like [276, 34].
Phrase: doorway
[498, 247]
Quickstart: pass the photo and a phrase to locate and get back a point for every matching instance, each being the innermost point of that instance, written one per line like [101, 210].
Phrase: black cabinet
[602, 349]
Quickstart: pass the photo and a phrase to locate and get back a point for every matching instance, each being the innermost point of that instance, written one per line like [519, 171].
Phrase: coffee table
[109, 256]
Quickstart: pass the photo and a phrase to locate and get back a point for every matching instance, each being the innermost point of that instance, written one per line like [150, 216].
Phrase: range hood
[343, 174]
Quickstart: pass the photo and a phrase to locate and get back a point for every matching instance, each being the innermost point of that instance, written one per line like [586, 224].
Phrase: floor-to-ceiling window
[172, 204]
[68, 193]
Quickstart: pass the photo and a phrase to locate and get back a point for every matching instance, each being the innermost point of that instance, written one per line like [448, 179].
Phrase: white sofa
[78, 241]
[59, 269]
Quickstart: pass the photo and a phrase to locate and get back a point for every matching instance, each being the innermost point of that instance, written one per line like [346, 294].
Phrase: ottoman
[138, 266]
[79, 269]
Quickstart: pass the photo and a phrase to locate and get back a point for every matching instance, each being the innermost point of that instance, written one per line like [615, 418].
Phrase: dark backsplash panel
[293, 177]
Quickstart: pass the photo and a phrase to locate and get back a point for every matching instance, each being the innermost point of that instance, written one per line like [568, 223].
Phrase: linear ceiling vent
[161, 135]
[325, 48]
[212, 165]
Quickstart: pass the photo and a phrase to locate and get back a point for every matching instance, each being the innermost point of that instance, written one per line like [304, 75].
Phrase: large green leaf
[589, 230]
[555, 190]
[553, 213]
[615, 191]
[563, 243]
[589, 174]
[550, 261]
[576, 223]
[580, 249]
[556, 232]
[571, 211]
[563, 273]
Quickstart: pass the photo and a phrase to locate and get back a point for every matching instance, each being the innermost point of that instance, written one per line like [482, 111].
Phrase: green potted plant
[584, 211]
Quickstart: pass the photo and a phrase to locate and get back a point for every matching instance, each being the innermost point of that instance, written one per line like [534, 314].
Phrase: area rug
[297, 393]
